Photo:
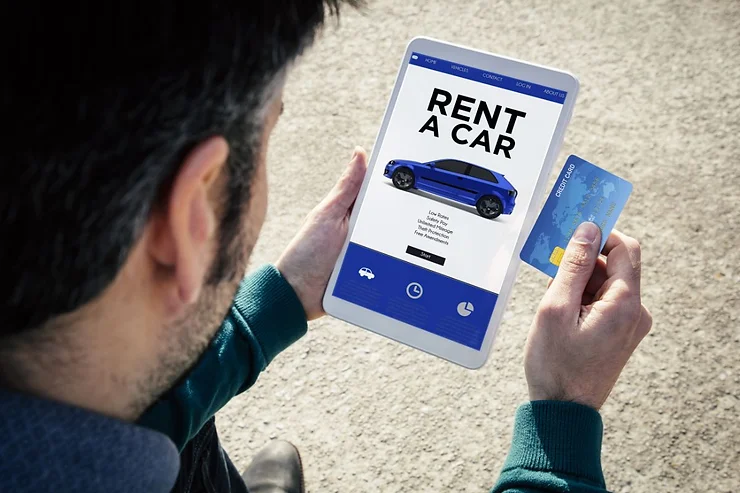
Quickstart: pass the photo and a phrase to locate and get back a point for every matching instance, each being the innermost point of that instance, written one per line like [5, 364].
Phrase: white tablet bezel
[406, 333]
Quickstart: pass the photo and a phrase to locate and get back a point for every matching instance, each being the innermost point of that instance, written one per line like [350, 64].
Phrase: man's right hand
[589, 321]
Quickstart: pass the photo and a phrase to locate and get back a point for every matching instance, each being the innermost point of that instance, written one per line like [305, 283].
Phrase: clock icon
[464, 308]
[414, 290]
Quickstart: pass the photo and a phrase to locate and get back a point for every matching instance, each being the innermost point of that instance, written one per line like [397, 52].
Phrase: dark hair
[104, 100]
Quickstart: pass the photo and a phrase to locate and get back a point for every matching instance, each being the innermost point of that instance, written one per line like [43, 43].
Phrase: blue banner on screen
[489, 78]
[419, 297]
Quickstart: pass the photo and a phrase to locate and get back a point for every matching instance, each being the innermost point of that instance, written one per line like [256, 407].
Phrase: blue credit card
[582, 192]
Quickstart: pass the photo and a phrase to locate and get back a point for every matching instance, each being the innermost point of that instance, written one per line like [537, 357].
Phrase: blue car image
[489, 192]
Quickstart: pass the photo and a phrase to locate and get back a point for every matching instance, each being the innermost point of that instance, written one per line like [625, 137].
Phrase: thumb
[577, 265]
[344, 193]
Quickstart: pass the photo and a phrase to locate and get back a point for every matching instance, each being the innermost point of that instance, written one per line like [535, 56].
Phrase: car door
[450, 176]
[483, 181]
[425, 177]
[428, 178]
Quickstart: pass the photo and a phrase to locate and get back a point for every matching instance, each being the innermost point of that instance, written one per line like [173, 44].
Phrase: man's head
[133, 184]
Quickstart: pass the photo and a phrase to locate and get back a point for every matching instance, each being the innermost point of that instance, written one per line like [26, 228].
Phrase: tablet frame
[409, 334]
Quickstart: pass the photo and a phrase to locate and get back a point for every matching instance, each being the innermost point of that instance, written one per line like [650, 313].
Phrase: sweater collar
[48, 446]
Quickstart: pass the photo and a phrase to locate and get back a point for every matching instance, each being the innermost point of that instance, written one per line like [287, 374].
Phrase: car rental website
[454, 177]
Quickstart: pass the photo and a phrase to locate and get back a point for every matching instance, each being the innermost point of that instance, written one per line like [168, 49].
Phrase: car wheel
[403, 178]
[489, 207]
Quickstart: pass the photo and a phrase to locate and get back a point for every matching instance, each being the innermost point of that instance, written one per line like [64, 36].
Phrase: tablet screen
[453, 177]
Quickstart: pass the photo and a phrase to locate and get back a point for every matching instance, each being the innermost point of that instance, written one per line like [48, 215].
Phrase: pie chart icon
[464, 308]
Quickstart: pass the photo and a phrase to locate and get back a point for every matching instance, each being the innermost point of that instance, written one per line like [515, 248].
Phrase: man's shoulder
[45, 442]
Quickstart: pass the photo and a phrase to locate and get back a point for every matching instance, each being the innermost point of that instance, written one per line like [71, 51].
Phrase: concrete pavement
[660, 106]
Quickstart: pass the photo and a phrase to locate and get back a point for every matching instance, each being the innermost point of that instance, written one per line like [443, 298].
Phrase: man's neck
[64, 375]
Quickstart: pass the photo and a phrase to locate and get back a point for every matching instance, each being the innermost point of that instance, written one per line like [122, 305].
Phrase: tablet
[452, 189]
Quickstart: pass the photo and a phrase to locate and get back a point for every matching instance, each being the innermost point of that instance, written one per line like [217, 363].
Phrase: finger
[615, 238]
[645, 323]
[577, 266]
[345, 191]
[598, 278]
[623, 259]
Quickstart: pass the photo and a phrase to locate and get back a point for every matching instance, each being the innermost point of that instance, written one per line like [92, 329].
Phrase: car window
[453, 166]
[483, 174]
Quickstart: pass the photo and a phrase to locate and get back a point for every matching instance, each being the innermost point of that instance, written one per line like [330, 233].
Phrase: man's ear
[184, 238]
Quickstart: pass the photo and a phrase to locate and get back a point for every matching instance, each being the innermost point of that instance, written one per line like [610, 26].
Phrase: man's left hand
[308, 261]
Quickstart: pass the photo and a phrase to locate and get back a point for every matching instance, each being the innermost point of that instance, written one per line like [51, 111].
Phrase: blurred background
[660, 106]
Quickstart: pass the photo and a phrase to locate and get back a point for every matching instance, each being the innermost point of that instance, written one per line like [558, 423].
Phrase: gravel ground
[659, 105]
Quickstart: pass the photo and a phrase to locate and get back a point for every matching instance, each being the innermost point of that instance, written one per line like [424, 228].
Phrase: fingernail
[586, 232]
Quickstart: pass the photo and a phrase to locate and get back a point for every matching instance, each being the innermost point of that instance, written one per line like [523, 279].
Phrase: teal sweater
[556, 446]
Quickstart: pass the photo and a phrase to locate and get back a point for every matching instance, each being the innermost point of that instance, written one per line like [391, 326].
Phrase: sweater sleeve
[556, 447]
[265, 318]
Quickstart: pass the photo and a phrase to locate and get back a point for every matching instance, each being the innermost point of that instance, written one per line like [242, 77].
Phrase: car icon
[486, 190]
[365, 272]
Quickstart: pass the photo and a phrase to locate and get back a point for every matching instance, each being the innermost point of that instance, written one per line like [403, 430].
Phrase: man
[133, 191]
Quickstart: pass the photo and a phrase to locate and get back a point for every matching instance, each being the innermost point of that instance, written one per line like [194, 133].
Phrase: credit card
[582, 192]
